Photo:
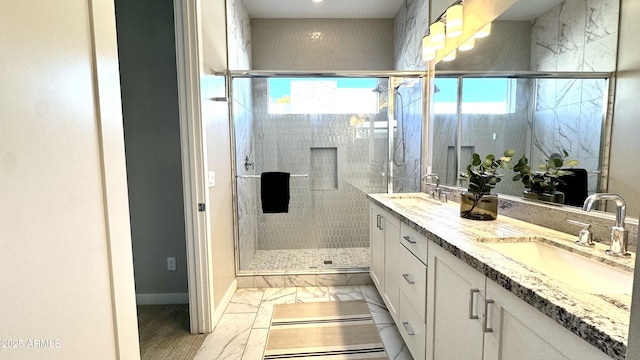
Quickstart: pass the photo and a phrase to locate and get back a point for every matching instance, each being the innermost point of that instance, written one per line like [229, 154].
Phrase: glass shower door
[331, 135]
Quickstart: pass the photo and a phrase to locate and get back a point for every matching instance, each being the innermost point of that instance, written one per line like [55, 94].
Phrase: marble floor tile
[376, 305]
[393, 343]
[312, 294]
[345, 293]
[255, 345]
[245, 301]
[228, 339]
[300, 280]
[242, 330]
[271, 297]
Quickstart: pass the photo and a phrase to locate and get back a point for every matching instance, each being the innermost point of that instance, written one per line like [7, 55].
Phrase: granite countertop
[601, 320]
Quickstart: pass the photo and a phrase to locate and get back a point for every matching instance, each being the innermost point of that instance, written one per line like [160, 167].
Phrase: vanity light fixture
[428, 53]
[454, 21]
[468, 45]
[436, 32]
[484, 32]
[450, 57]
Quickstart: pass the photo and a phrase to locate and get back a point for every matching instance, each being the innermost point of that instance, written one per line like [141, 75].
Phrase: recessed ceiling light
[316, 1]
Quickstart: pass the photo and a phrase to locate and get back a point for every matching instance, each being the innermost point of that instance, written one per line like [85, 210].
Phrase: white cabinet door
[376, 243]
[521, 332]
[455, 308]
[392, 270]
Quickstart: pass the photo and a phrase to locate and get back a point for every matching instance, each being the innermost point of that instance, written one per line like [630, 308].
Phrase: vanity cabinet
[475, 318]
[522, 332]
[455, 308]
[384, 243]
[399, 271]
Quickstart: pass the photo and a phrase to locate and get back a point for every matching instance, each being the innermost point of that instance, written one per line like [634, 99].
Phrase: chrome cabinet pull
[378, 221]
[409, 240]
[381, 222]
[408, 328]
[472, 301]
[485, 328]
[408, 279]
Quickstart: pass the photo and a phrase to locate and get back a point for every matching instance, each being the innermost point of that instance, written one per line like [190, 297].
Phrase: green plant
[547, 176]
[484, 175]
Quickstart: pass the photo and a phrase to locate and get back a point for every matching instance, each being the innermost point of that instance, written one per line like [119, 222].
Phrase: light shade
[467, 45]
[484, 32]
[451, 56]
[428, 53]
[454, 21]
[436, 32]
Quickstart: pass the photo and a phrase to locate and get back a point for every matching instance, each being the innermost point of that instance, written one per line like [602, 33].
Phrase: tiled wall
[327, 211]
[577, 35]
[408, 139]
[410, 25]
[322, 44]
[239, 35]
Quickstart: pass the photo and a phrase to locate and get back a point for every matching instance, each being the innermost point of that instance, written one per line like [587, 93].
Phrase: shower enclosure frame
[231, 75]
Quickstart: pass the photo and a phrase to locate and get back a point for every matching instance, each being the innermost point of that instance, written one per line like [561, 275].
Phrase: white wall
[66, 275]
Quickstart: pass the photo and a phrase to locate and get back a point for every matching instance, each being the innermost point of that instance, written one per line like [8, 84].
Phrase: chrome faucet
[435, 193]
[619, 235]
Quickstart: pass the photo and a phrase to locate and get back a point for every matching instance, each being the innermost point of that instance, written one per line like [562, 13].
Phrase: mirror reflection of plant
[484, 175]
[547, 177]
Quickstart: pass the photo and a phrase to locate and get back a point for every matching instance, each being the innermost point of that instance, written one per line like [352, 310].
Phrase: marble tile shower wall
[410, 26]
[317, 218]
[577, 35]
[407, 151]
[239, 34]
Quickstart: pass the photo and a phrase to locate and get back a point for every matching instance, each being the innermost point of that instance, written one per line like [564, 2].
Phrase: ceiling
[369, 9]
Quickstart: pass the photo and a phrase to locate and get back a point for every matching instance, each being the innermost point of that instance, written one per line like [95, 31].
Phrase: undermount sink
[577, 271]
[414, 201]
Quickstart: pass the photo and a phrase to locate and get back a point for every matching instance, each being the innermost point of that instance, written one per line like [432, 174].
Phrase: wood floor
[164, 333]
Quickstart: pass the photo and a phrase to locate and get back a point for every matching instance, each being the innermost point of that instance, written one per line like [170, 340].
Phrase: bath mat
[323, 330]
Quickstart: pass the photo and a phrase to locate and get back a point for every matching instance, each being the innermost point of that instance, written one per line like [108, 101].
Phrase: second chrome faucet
[619, 235]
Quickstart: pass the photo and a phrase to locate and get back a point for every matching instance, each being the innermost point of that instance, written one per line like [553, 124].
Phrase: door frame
[194, 166]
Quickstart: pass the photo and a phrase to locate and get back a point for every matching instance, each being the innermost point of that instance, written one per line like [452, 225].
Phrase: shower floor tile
[310, 259]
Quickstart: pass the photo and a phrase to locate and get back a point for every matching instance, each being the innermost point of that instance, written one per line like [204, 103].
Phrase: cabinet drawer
[412, 278]
[414, 242]
[412, 328]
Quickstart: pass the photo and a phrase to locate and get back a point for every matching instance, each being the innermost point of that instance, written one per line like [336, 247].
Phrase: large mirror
[538, 84]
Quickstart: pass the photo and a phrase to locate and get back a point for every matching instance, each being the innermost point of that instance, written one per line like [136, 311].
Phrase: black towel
[575, 187]
[274, 191]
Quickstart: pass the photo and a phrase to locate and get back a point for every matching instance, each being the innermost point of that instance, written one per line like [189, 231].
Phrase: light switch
[212, 178]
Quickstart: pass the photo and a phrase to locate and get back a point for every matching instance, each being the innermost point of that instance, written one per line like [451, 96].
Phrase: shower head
[380, 89]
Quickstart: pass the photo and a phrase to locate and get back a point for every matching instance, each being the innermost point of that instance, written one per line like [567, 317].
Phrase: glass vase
[477, 206]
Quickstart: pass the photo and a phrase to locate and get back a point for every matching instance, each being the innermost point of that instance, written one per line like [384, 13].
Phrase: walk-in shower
[339, 136]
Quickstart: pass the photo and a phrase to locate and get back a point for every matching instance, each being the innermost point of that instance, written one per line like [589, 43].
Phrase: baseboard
[162, 299]
[218, 311]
